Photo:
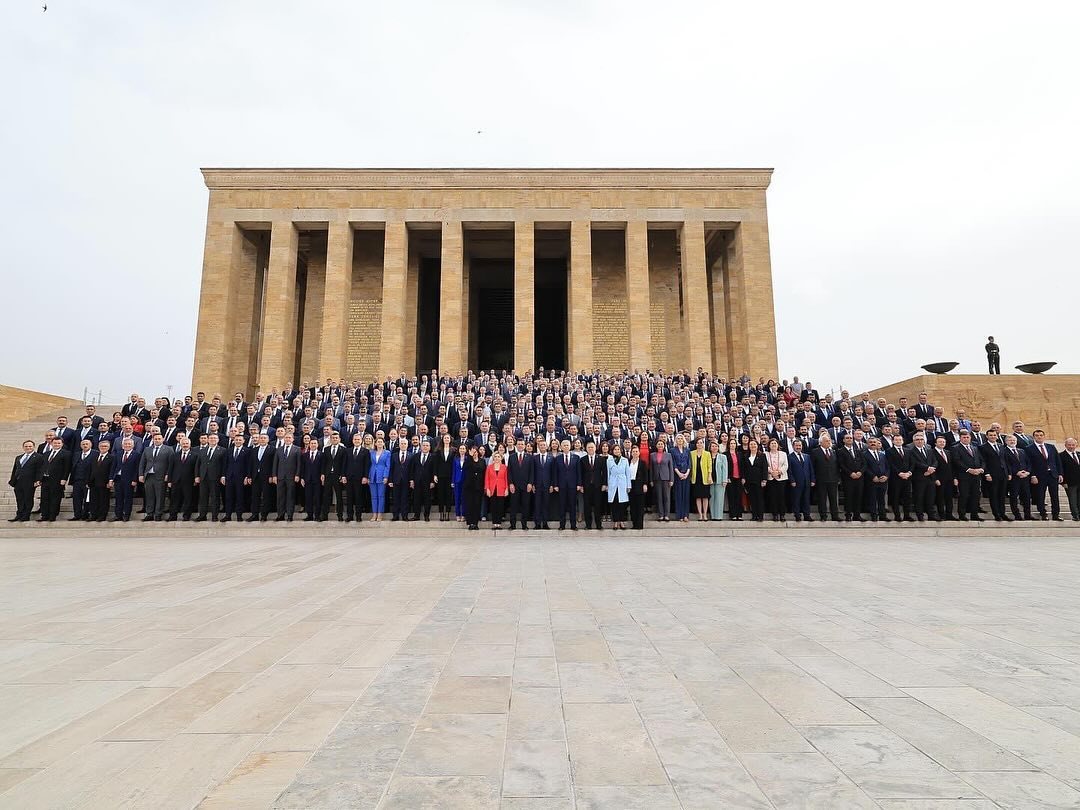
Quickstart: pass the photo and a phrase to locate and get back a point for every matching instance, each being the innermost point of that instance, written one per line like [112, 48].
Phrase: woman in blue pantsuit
[680, 460]
[377, 475]
[458, 475]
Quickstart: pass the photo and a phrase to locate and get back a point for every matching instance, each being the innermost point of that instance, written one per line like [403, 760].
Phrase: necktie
[101, 459]
[333, 451]
[828, 454]
[1042, 449]
[155, 453]
[236, 453]
[402, 456]
[84, 455]
[286, 451]
[970, 451]
[126, 454]
[183, 457]
[799, 457]
[52, 455]
[313, 456]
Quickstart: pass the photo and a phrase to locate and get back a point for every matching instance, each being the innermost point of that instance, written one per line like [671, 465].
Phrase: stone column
[337, 294]
[524, 295]
[217, 298]
[695, 296]
[395, 267]
[452, 334]
[638, 306]
[579, 310]
[754, 274]
[277, 361]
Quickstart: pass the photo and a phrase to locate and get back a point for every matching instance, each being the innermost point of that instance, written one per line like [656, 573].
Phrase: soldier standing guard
[993, 356]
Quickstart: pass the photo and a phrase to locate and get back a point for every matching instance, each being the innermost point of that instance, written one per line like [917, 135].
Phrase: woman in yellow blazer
[700, 478]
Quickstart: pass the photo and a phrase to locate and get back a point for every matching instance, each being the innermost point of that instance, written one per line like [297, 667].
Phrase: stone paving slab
[428, 667]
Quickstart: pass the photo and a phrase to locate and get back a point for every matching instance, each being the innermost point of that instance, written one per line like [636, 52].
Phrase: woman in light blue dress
[618, 486]
[377, 475]
[719, 482]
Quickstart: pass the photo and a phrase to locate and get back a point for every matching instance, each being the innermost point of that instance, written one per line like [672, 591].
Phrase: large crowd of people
[540, 450]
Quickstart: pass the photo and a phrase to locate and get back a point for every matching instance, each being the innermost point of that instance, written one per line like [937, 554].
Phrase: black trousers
[421, 500]
[99, 502]
[260, 497]
[1038, 495]
[970, 490]
[51, 495]
[496, 507]
[924, 495]
[637, 509]
[900, 496]
[209, 498]
[519, 506]
[853, 496]
[943, 498]
[734, 496]
[182, 498]
[993, 361]
[594, 503]
[776, 492]
[332, 494]
[234, 497]
[995, 493]
[828, 498]
[354, 497]
[472, 507]
[399, 500]
[24, 499]
[1020, 495]
[567, 506]
[79, 503]
[541, 507]
[878, 494]
[756, 494]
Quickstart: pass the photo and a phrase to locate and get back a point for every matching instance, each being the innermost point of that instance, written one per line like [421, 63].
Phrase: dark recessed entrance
[549, 335]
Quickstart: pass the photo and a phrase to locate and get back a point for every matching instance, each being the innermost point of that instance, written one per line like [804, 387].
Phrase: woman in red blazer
[496, 485]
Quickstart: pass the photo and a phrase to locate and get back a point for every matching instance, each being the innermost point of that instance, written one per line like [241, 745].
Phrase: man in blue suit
[260, 466]
[82, 467]
[1045, 474]
[567, 484]
[311, 480]
[236, 478]
[125, 477]
[399, 480]
[543, 484]
[801, 475]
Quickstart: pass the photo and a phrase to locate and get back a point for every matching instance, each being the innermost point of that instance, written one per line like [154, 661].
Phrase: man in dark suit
[567, 484]
[332, 477]
[398, 481]
[944, 488]
[923, 462]
[1019, 472]
[237, 466]
[25, 479]
[311, 480]
[543, 484]
[900, 480]
[923, 409]
[357, 467]
[209, 476]
[54, 477]
[967, 472]
[285, 474]
[1045, 474]
[125, 478]
[801, 476]
[878, 475]
[100, 481]
[995, 475]
[154, 466]
[82, 470]
[422, 480]
[593, 480]
[827, 478]
[519, 468]
[182, 473]
[260, 467]
[852, 472]
[1070, 476]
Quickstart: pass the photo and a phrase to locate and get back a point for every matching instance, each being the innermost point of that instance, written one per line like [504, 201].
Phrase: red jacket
[496, 482]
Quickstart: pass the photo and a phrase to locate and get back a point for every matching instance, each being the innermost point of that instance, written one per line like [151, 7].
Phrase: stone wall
[365, 308]
[20, 404]
[611, 348]
[669, 348]
[1047, 401]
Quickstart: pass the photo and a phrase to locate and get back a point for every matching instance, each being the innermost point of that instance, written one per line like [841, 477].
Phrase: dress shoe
[1059, 518]
[148, 517]
[427, 518]
[252, 519]
[159, 518]
[198, 519]
[14, 520]
[309, 518]
[279, 519]
[226, 519]
[288, 518]
[74, 518]
[170, 519]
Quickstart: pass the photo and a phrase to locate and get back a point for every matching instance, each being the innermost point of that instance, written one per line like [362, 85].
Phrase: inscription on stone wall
[611, 349]
[365, 326]
[658, 323]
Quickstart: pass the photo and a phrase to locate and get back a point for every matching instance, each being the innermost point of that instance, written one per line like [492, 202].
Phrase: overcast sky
[927, 156]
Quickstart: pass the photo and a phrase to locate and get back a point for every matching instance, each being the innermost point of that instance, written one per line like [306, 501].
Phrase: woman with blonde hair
[701, 478]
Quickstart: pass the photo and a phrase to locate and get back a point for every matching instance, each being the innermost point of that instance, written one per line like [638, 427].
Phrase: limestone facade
[358, 273]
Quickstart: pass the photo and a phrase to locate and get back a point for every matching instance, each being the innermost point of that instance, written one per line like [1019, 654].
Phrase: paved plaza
[463, 670]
